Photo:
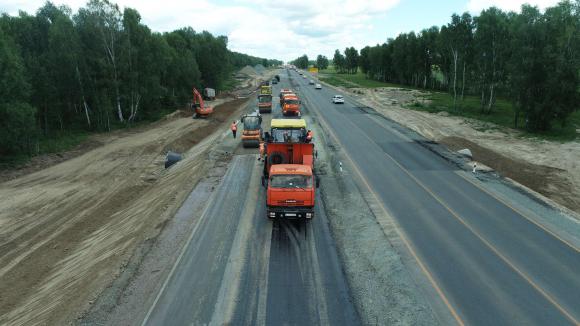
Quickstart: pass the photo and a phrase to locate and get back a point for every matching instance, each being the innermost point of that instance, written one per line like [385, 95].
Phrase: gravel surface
[384, 288]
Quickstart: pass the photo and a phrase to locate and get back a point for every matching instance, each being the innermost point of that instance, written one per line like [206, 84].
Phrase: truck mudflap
[290, 212]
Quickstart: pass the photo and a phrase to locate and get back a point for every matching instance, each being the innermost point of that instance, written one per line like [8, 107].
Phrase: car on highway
[318, 86]
[338, 99]
[304, 76]
[311, 82]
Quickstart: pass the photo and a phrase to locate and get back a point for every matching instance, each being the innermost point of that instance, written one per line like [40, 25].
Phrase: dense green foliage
[63, 73]
[532, 58]
[321, 62]
[347, 62]
[301, 62]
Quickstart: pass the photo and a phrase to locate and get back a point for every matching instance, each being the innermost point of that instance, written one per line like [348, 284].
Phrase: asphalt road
[489, 264]
[240, 268]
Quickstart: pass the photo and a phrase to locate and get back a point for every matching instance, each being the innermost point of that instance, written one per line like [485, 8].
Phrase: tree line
[303, 62]
[531, 57]
[97, 69]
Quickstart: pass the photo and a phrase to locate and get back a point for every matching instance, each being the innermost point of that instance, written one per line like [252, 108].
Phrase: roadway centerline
[543, 292]
[518, 212]
[398, 228]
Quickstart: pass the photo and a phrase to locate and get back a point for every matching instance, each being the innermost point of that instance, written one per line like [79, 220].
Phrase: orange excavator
[199, 109]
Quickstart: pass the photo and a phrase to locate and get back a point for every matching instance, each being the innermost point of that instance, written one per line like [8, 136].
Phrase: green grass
[501, 115]
[230, 84]
[61, 142]
[350, 80]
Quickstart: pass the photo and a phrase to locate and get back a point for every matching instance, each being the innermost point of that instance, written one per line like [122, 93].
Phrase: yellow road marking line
[487, 243]
[400, 233]
[519, 212]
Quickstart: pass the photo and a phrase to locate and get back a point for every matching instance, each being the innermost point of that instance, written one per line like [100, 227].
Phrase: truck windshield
[251, 123]
[291, 102]
[265, 99]
[291, 181]
[288, 135]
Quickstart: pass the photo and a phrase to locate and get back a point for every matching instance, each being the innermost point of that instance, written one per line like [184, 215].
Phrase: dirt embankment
[66, 231]
[549, 168]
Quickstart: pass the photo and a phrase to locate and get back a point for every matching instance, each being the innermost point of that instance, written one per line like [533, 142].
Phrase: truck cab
[291, 191]
[291, 105]
[289, 171]
[283, 92]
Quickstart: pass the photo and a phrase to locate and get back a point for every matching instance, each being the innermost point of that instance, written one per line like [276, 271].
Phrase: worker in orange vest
[262, 151]
[309, 135]
[234, 128]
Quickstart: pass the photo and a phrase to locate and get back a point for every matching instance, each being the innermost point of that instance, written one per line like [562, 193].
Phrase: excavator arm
[199, 106]
[197, 98]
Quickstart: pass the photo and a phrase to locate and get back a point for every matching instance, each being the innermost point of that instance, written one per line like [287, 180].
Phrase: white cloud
[273, 29]
[476, 6]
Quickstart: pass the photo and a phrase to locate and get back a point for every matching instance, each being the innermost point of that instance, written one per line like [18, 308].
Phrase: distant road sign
[313, 70]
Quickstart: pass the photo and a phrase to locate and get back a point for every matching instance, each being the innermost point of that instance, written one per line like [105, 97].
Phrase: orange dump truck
[283, 92]
[291, 105]
[289, 171]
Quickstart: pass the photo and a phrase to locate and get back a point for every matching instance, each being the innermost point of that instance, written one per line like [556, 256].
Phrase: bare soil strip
[66, 231]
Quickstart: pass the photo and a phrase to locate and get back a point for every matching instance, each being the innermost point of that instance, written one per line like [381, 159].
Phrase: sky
[287, 29]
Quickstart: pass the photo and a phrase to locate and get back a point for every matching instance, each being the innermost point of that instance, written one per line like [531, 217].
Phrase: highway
[486, 262]
[240, 268]
[490, 264]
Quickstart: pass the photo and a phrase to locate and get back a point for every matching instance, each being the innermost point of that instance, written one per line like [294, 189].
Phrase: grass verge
[469, 107]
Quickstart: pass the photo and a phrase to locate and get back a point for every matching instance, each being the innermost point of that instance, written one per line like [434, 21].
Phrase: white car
[336, 99]
[318, 86]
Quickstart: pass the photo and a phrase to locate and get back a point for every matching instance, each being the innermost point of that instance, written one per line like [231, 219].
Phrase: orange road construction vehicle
[265, 99]
[290, 105]
[283, 92]
[199, 108]
[289, 171]
[252, 134]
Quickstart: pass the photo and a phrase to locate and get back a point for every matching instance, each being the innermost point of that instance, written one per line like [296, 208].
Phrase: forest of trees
[98, 68]
[321, 62]
[301, 62]
[530, 57]
[346, 63]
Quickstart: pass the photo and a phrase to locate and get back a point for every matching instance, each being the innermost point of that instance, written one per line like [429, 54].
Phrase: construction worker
[234, 128]
[262, 151]
[309, 135]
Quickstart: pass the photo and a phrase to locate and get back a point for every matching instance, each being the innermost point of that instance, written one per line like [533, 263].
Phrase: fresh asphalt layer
[490, 264]
[240, 268]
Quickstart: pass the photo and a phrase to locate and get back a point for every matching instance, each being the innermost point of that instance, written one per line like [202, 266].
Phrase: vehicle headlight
[272, 214]
[309, 215]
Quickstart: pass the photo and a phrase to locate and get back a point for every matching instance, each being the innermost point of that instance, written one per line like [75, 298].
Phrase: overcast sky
[286, 29]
